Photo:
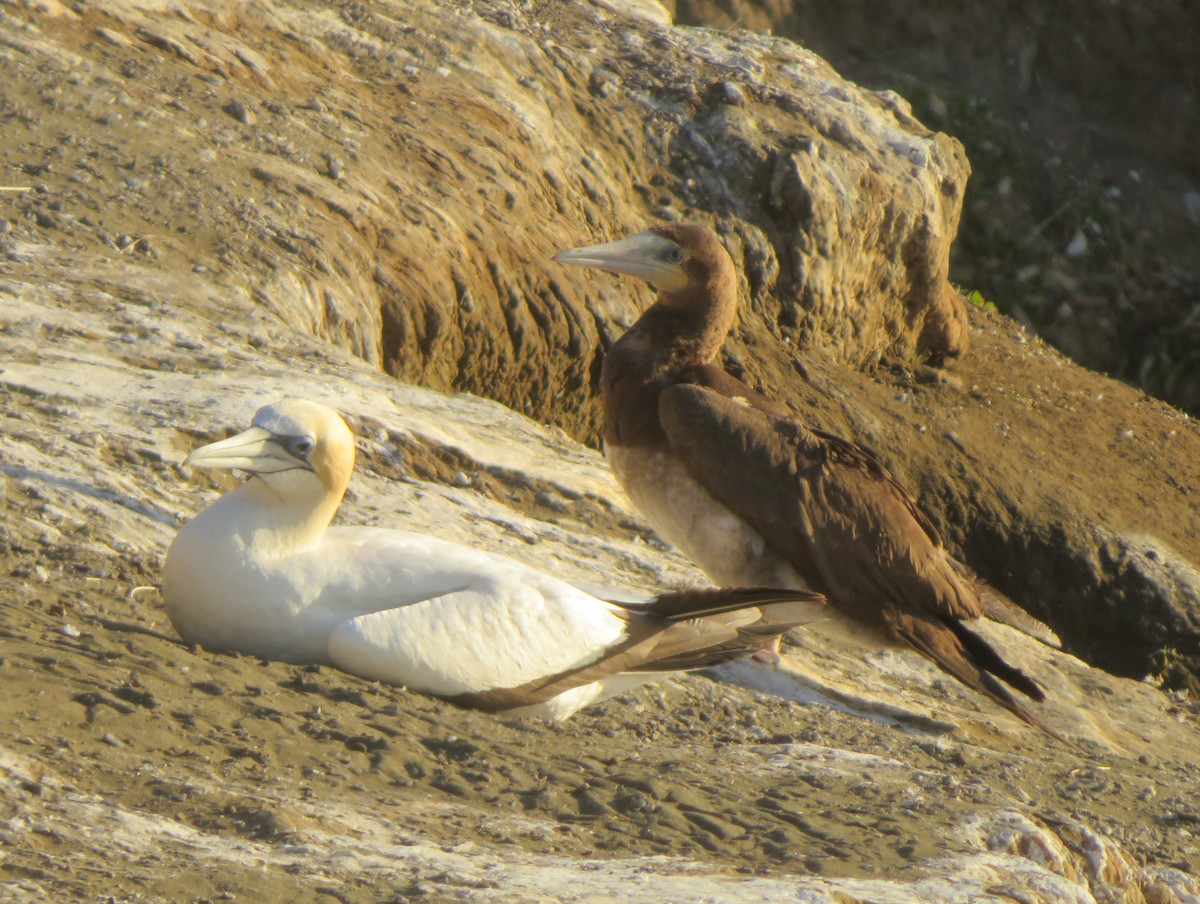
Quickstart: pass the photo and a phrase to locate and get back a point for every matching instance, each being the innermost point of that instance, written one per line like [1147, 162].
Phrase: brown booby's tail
[962, 653]
[700, 602]
[999, 607]
[755, 617]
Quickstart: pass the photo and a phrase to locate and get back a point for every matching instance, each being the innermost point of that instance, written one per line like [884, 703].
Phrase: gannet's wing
[621, 595]
[499, 634]
[521, 646]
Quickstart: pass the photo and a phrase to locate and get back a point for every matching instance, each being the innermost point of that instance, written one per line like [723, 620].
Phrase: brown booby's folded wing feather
[826, 505]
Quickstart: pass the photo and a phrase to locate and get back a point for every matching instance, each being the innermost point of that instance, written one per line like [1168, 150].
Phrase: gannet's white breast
[382, 604]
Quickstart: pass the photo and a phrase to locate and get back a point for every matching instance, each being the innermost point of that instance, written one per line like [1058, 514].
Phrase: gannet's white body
[260, 572]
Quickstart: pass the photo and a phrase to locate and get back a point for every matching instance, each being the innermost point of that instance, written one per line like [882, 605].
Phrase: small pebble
[727, 94]
[1191, 205]
[108, 738]
[113, 37]
[69, 630]
[552, 501]
[240, 112]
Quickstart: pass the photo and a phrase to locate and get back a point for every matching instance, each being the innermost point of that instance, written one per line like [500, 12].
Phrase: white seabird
[260, 571]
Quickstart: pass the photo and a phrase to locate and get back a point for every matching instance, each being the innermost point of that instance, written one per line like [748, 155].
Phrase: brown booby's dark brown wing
[832, 447]
[824, 503]
[838, 516]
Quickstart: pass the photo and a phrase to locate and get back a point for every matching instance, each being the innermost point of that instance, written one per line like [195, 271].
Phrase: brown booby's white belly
[725, 547]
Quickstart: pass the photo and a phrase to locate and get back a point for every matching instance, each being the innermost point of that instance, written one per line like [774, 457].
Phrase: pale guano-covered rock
[180, 259]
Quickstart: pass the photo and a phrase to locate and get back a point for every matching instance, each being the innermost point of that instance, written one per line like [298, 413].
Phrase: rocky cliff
[1084, 204]
[228, 203]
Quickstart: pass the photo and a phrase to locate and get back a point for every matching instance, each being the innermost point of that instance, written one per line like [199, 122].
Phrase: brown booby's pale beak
[256, 450]
[647, 255]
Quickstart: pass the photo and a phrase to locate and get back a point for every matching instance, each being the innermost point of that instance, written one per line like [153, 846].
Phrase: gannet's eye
[300, 446]
[674, 255]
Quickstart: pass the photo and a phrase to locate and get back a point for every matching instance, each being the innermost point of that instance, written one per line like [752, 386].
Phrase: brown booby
[754, 496]
[260, 571]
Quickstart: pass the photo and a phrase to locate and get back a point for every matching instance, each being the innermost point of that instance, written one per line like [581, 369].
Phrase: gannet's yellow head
[292, 445]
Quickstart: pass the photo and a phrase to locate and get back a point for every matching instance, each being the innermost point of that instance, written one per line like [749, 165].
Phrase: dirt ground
[240, 772]
[97, 693]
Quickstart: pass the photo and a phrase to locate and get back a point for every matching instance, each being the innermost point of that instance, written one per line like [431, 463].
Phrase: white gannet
[754, 496]
[260, 571]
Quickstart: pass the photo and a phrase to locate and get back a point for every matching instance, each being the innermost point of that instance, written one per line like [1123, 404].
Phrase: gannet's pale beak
[647, 256]
[254, 450]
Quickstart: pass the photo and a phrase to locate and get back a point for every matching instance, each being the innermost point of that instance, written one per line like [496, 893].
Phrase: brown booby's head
[686, 263]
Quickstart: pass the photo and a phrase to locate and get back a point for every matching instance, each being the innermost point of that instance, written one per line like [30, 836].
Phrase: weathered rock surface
[409, 172]
[231, 204]
[1083, 208]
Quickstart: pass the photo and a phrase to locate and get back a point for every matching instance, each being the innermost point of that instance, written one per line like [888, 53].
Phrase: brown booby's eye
[674, 255]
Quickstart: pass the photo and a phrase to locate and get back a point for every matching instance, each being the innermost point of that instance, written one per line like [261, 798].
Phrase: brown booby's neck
[677, 337]
[688, 327]
[666, 342]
